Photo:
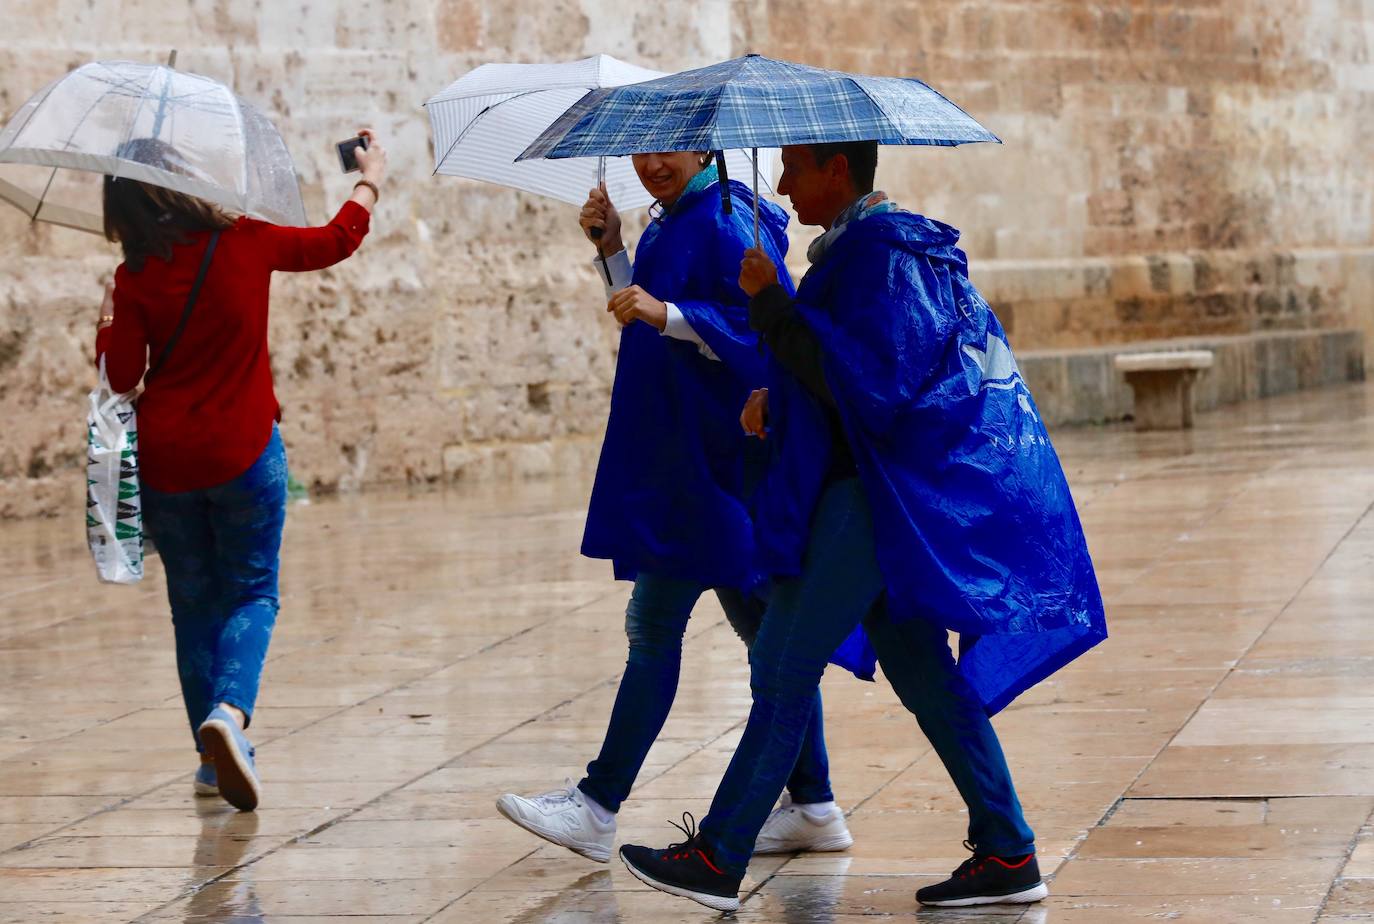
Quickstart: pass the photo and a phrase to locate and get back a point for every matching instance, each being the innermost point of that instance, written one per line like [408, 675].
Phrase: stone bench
[1081, 384]
[1163, 386]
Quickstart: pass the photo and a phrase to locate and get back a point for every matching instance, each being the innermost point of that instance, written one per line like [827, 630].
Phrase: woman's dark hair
[147, 221]
[862, 157]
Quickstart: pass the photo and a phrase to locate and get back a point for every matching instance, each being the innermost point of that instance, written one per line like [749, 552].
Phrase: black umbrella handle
[605, 268]
[725, 205]
[596, 234]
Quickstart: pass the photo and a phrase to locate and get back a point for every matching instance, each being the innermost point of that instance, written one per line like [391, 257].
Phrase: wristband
[376, 193]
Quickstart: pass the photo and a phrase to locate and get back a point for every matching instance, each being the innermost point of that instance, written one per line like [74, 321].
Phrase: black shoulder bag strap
[185, 314]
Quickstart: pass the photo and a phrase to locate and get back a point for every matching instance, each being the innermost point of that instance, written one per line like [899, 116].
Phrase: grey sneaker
[206, 784]
[233, 754]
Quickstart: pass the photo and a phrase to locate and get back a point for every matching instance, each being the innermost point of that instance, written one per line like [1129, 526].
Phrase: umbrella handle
[597, 232]
[725, 204]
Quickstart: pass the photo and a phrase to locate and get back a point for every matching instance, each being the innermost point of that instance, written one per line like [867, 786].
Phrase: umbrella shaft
[46, 189]
[755, 152]
[725, 204]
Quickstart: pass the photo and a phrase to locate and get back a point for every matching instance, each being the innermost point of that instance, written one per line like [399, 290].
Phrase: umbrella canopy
[755, 102]
[485, 119]
[150, 123]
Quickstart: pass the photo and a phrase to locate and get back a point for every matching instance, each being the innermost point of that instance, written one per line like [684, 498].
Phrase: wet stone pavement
[1212, 762]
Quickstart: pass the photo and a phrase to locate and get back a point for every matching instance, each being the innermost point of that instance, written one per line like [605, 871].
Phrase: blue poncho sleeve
[722, 318]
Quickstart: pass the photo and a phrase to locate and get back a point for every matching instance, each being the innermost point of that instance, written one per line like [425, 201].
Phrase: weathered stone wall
[1164, 159]
[1199, 167]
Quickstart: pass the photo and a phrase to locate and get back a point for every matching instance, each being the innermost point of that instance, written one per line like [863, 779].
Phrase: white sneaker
[792, 828]
[562, 817]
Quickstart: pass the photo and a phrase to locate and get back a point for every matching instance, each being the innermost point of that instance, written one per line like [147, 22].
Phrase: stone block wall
[1170, 168]
[1068, 303]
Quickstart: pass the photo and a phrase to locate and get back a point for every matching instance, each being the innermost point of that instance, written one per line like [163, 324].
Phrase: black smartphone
[348, 152]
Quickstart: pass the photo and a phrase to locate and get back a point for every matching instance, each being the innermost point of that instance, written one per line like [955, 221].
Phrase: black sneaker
[983, 879]
[686, 870]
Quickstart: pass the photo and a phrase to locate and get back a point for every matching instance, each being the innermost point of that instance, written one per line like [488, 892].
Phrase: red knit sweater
[207, 415]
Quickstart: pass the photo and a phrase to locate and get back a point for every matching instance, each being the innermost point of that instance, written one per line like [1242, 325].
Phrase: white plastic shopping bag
[114, 515]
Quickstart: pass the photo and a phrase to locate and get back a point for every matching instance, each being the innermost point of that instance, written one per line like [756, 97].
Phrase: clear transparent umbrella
[144, 122]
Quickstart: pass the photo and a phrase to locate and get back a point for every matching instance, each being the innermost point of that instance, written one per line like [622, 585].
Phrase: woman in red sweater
[213, 469]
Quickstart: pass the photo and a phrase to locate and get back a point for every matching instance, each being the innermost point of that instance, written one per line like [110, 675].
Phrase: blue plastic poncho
[676, 474]
[670, 495]
[975, 526]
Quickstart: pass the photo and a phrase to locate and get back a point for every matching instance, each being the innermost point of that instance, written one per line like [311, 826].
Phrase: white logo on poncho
[997, 368]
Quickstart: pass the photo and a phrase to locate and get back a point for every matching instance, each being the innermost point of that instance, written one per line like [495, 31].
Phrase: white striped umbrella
[482, 121]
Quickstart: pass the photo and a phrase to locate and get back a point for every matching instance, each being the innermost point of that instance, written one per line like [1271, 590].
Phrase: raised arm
[297, 250]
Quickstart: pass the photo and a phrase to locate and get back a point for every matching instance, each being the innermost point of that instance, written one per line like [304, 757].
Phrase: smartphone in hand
[348, 156]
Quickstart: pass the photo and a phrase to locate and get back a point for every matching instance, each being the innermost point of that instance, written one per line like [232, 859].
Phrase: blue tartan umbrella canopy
[755, 102]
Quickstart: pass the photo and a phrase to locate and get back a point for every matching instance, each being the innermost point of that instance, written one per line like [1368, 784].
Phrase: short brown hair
[862, 157]
[147, 221]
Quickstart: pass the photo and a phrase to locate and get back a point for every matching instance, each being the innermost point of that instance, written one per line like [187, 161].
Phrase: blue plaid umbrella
[754, 102]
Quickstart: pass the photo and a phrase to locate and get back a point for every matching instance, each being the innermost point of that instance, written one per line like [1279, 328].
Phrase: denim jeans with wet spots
[840, 587]
[655, 622]
[221, 550]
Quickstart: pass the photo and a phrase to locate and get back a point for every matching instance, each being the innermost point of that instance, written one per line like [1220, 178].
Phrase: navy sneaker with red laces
[984, 879]
[687, 870]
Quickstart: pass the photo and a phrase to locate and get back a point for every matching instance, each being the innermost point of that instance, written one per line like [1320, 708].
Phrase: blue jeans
[655, 621]
[807, 617]
[221, 549]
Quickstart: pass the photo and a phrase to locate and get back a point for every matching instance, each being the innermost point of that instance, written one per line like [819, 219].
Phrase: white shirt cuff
[678, 328]
[618, 264]
[622, 272]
